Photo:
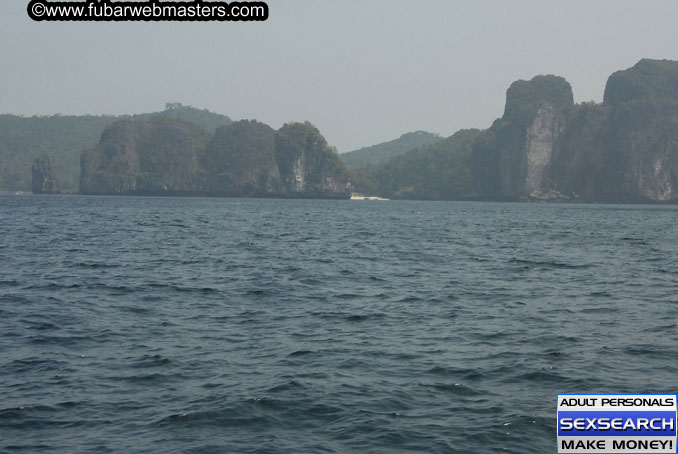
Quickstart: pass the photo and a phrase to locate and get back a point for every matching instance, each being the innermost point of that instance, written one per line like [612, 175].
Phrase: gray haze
[362, 71]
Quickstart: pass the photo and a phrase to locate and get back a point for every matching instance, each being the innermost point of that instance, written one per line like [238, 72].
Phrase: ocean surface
[189, 325]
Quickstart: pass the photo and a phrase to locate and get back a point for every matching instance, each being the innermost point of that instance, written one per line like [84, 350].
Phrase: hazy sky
[363, 71]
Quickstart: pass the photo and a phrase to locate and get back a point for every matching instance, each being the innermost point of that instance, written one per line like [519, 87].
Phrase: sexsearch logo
[607, 423]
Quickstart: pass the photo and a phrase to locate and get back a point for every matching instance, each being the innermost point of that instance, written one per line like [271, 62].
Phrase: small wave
[154, 378]
[150, 361]
[542, 376]
[60, 340]
[649, 351]
[635, 240]
[259, 292]
[347, 296]
[300, 353]
[457, 389]
[96, 265]
[466, 374]
[601, 294]
[291, 385]
[549, 264]
[30, 448]
[10, 283]
[39, 326]
[181, 289]
[669, 327]
[409, 299]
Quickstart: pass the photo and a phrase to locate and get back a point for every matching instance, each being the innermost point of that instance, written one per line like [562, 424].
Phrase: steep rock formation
[43, 176]
[158, 156]
[167, 156]
[510, 162]
[646, 138]
[577, 165]
[308, 166]
[622, 153]
[626, 149]
[623, 150]
[648, 80]
[240, 160]
[540, 142]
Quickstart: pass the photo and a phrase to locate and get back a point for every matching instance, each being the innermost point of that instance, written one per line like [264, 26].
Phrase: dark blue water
[279, 326]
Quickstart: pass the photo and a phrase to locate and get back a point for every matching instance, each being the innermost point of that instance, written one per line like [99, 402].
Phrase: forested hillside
[63, 137]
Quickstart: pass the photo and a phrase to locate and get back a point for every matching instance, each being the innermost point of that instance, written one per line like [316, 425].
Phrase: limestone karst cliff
[625, 149]
[240, 160]
[543, 148]
[511, 160]
[307, 164]
[167, 156]
[43, 176]
[156, 156]
[622, 150]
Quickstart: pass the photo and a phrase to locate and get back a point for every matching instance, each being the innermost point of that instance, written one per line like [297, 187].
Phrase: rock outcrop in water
[43, 176]
[623, 150]
[307, 165]
[240, 160]
[546, 148]
[63, 137]
[512, 159]
[158, 156]
[543, 148]
[166, 156]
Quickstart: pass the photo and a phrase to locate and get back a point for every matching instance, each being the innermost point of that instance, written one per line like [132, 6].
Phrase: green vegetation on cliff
[542, 148]
[240, 160]
[169, 156]
[546, 148]
[209, 121]
[379, 154]
[524, 98]
[62, 138]
[506, 163]
[240, 146]
[43, 176]
[436, 171]
[307, 163]
[655, 80]
[158, 155]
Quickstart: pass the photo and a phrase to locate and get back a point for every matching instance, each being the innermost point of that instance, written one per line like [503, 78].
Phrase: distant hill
[436, 171]
[209, 121]
[63, 137]
[379, 154]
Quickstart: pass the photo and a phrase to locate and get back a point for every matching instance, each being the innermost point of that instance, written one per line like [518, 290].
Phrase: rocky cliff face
[143, 157]
[626, 149]
[307, 164]
[510, 162]
[240, 160]
[627, 152]
[623, 150]
[541, 140]
[246, 158]
[43, 176]
[647, 80]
